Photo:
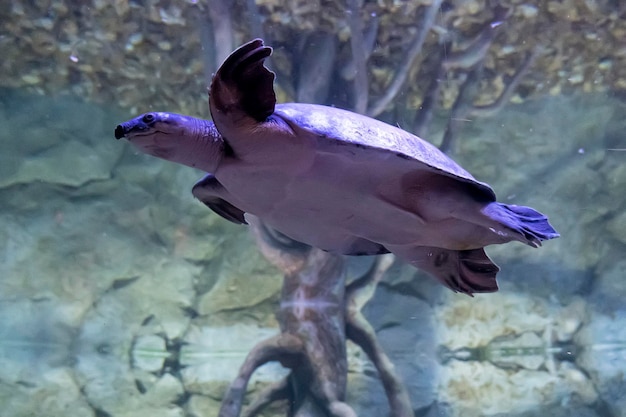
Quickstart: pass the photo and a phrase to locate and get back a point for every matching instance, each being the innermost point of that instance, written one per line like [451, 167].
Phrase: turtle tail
[532, 226]
[243, 84]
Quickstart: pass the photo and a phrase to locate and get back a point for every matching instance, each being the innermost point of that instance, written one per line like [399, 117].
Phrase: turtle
[336, 180]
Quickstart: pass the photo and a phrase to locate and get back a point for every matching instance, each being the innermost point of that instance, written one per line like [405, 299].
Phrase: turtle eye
[148, 118]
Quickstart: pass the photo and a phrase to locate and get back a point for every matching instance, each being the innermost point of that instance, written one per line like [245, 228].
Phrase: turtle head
[175, 137]
[149, 127]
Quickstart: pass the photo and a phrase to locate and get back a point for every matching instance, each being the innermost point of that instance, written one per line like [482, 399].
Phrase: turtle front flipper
[210, 192]
[465, 271]
[243, 86]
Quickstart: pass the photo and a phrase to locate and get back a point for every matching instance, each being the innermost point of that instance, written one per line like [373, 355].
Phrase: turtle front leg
[284, 348]
[361, 332]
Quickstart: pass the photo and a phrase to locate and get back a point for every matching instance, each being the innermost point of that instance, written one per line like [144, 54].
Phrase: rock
[603, 357]
[609, 290]
[406, 334]
[526, 350]
[200, 405]
[39, 244]
[543, 277]
[54, 393]
[149, 353]
[211, 357]
[34, 340]
[569, 319]
[128, 316]
[35, 359]
[569, 408]
[617, 227]
[480, 388]
[243, 278]
[464, 322]
[59, 165]
[63, 150]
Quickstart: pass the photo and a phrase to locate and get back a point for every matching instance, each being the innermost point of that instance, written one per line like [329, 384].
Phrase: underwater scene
[179, 238]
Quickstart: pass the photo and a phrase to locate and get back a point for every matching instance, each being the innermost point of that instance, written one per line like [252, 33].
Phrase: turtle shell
[336, 127]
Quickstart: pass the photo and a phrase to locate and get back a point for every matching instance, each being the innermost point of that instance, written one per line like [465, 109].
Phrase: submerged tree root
[317, 313]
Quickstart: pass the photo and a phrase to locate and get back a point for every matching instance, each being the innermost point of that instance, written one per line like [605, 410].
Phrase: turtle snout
[120, 132]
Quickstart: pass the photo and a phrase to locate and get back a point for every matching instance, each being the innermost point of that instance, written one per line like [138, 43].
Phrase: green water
[122, 295]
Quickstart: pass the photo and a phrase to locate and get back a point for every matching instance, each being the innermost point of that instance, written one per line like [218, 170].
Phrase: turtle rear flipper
[466, 271]
[243, 86]
[531, 226]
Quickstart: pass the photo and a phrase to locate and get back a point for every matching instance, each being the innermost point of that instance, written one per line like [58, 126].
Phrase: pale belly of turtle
[332, 201]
